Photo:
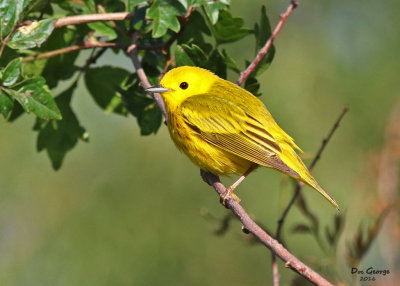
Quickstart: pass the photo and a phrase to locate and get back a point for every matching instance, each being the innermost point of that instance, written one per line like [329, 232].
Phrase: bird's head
[183, 82]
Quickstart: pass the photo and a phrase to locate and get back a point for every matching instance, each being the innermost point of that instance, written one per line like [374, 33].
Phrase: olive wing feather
[222, 123]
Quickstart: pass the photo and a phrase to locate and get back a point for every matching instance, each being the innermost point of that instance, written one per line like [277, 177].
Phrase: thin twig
[268, 44]
[290, 260]
[132, 51]
[299, 186]
[5, 40]
[85, 45]
[167, 64]
[87, 18]
[328, 138]
[93, 58]
[43, 10]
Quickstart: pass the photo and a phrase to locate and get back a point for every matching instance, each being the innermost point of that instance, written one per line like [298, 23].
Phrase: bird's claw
[226, 195]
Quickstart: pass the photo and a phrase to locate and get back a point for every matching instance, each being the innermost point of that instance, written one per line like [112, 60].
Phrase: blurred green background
[130, 210]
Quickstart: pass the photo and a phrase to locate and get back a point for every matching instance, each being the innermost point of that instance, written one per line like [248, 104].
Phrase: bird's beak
[157, 88]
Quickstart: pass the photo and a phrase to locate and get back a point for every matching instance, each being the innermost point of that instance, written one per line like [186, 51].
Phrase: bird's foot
[227, 194]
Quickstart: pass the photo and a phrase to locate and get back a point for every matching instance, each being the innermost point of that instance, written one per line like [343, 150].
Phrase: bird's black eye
[184, 85]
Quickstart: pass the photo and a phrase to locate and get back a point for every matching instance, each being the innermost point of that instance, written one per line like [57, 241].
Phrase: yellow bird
[225, 129]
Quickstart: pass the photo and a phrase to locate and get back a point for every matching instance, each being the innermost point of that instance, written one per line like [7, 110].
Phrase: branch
[88, 18]
[5, 40]
[328, 138]
[93, 58]
[264, 50]
[85, 45]
[74, 20]
[132, 51]
[299, 186]
[249, 225]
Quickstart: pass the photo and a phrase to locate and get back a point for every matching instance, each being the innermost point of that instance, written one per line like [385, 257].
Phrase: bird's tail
[312, 183]
[290, 157]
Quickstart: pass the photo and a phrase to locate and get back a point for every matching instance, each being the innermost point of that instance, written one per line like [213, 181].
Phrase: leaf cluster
[36, 55]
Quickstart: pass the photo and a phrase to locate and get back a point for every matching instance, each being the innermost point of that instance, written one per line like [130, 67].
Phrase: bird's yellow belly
[205, 155]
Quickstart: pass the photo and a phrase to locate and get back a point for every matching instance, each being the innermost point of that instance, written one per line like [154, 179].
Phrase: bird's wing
[221, 122]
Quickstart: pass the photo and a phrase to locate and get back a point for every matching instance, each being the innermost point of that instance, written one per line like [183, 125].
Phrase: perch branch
[268, 44]
[290, 260]
[88, 18]
[299, 186]
[85, 45]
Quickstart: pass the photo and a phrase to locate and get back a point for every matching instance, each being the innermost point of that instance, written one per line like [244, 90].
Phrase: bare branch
[264, 50]
[85, 45]
[82, 19]
[132, 51]
[290, 260]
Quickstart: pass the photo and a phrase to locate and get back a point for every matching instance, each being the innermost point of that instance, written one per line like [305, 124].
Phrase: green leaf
[9, 15]
[164, 13]
[133, 3]
[263, 30]
[252, 85]
[103, 29]
[229, 29]
[8, 55]
[216, 63]
[146, 111]
[187, 3]
[34, 96]
[182, 58]
[190, 56]
[16, 112]
[57, 68]
[6, 103]
[193, 55]
[33, 35]
[59, 137]
[92, 6]
[213, 8]
[104, 84]
[230, 62]
[13, 11]
[265, 62]
[12, 72]
[262, 33]
[150, 63]
[195, 32]
[31, 6]
[150, 119]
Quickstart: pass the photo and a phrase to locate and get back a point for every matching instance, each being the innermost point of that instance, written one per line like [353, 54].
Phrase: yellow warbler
[224, 129]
